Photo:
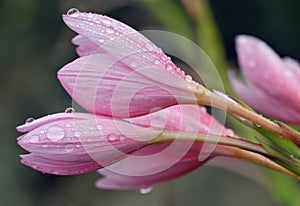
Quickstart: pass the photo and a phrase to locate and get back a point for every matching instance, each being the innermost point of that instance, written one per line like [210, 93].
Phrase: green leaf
[280, 142]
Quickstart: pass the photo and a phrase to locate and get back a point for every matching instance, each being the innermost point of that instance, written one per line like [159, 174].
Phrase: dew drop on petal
[156, 61]
[44, 145]
[73, 12]
[77, 134]
[106, 22]
[99, 127]
[146, 190]
[112, 137]
[100, 40]
[148, 46]
[55, 133]
[67, 125]
[133, 64]
[109, 30]
[188, 78]
[163, 57]
[169, 67]
[69, 147]
[69, 110]
[30, 119]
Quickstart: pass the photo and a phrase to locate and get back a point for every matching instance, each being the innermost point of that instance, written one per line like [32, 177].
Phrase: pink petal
[167, 161]
[118, 39]
[266, 70]
[292, 67]
[102, 84]
[133, 67]
[113, 180]
[59, 167]
[116, 181]
[182, 117]
[85, 46]
[263, 102]
[79, 139]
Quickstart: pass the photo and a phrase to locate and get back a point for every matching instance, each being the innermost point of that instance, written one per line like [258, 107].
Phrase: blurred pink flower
[272, 84]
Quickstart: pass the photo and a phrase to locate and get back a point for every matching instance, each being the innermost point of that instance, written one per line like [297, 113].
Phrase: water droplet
[112, 137]
[69, 110]
[30, 119]
[146, 190]
[156, 61]
[133, 64]
[44, 145]
[163, 57]
[69, 147]
[106, 22]
[42, 132]
[169, 67]
[188, 78]
[55, 133]
[100, 40]
[148, 46]
[109, 30]
[99, 127]
[77, 134]
[73, 12]
[68, 125]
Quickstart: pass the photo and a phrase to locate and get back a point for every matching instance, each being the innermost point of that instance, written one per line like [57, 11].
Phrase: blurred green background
[35, 44]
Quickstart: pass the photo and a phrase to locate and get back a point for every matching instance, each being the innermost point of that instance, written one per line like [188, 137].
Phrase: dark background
[35, 44]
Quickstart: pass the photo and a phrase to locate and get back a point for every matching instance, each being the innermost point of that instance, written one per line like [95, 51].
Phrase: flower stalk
[208, 98]
[232, 147]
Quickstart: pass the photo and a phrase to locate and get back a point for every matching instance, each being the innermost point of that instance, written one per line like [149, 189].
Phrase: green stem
[227, 146]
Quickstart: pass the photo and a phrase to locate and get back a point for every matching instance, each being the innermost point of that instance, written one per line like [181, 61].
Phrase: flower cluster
[145, 124]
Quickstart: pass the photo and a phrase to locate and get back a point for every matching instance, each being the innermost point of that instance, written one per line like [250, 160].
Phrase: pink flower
[188, 163]
[120, 78]
[114, 78]
[272, 84]
[73, 143]
[120, 72]
[173, 160]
